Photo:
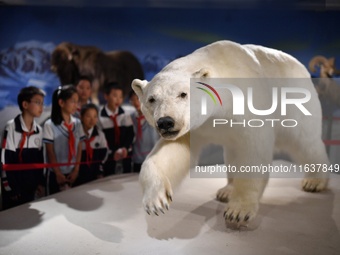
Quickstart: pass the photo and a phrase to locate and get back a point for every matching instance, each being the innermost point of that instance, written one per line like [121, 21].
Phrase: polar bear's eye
[151, 100]
[183, 95]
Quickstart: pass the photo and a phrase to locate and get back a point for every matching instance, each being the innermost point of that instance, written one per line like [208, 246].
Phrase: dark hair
[87, 107]
[65, 92]
[132, 93]
[27, 93]
[110, 86]
[85, 77]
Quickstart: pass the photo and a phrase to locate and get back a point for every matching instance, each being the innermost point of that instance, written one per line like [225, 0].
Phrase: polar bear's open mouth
[168, 134]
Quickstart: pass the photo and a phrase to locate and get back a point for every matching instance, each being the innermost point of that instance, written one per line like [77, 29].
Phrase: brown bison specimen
[70, 61]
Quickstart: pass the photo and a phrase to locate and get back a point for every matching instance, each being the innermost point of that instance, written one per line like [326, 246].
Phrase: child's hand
[72, 176]
[124, 152]
[120, 154]
[117, 155]
[40, 192]
[15, 197]
[61, 179]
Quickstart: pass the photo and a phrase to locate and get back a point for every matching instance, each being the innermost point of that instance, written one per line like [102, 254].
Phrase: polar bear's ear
[138, 86]
[202, 73]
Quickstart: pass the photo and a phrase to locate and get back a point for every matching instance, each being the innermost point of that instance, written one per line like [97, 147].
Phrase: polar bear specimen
[165, 102]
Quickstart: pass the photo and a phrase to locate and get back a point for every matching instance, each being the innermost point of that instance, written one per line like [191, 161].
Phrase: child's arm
[130, 134]
[52, 159]
[8, 156]
[48, 140]
[74, 174]
[127, 139]
[103, 153]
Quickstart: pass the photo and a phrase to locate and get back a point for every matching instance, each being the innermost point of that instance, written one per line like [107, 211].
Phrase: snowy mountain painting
[25, 64]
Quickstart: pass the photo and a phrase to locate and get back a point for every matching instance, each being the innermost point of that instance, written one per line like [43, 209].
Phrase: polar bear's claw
[147, 209]
[246, 218]
[169, 197]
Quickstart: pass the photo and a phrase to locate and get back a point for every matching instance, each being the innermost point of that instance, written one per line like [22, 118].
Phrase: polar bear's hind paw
[224, 193]
[314, 184]
[240, 213]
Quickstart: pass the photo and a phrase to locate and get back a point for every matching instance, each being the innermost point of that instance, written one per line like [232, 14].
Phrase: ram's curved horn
[317, 61]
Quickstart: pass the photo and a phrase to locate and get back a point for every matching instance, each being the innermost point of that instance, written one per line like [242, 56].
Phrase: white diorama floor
[106, 217]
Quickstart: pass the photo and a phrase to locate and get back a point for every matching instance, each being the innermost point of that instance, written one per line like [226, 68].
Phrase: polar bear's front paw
[224, 193]
[240, 213]
[314, 184]
[157, 197]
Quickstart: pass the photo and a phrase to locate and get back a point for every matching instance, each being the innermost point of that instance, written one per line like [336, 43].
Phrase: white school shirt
[58, 136]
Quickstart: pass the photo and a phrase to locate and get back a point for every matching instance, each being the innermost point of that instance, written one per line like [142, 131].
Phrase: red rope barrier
[334, 118]
[332, 142]
[18, 167]
[30, 166]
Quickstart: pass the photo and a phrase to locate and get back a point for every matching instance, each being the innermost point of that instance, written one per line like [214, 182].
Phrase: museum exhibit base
[106, 217]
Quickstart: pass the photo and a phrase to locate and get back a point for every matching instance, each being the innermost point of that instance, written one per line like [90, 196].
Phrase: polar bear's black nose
[165, 123]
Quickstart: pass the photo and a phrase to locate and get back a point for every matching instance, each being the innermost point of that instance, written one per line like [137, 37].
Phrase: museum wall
[28, 35]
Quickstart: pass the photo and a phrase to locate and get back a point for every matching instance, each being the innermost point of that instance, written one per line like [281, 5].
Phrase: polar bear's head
[165, 100]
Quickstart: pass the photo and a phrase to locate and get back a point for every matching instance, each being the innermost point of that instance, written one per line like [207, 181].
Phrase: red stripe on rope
[333, 118]
[18, 167]
[31, 166]
[332, 142]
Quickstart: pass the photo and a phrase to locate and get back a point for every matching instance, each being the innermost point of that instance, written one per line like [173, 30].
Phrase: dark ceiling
[299, 4]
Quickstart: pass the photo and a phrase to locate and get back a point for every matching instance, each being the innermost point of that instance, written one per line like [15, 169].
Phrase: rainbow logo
[210, 91]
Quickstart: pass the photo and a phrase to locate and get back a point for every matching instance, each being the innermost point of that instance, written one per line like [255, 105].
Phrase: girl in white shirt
[62, 136]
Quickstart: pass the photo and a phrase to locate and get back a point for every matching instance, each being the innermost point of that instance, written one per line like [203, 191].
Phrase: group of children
[79, 143]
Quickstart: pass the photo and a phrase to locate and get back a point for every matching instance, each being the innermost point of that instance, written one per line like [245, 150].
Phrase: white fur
[169, 161]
